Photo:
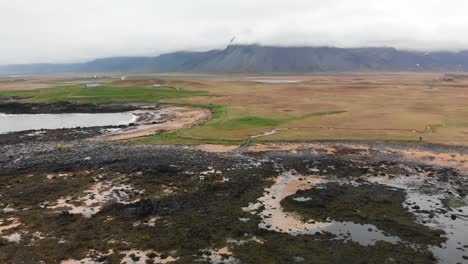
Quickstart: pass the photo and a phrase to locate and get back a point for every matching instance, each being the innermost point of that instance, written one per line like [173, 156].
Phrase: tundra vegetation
[391, 107]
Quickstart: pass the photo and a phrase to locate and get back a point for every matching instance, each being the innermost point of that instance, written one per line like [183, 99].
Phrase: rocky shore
[64, 107]
[104, 202]
[150, 119]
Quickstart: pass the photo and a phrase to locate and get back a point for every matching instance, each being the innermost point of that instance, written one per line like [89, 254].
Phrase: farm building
[156, 85]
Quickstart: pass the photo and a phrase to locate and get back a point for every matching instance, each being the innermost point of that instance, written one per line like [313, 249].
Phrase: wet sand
[169, 119]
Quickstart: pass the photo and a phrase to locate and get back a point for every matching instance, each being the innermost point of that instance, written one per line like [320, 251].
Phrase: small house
[92, 85]
[123, 78]
[156, 85]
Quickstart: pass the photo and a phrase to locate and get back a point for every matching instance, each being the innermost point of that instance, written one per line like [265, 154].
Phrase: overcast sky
[78, 30]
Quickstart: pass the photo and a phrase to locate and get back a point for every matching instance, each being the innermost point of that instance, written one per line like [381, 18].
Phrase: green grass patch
[325, 113]
[247, 122]
[178, 138]
[315, 114]
[105, 94]
[255, 121]
[213, 130]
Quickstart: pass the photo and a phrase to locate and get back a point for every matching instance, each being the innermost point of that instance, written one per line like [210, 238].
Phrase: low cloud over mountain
[265, 59]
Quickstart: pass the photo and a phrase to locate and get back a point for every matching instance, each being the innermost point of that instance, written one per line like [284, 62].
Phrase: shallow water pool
[21, 122]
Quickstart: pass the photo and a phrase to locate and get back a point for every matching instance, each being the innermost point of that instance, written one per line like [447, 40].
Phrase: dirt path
[171, 118]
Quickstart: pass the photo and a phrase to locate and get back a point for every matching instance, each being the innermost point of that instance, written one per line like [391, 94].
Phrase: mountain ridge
[257, 59]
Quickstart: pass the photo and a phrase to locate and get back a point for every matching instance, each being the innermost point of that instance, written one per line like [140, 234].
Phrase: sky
[56, 31]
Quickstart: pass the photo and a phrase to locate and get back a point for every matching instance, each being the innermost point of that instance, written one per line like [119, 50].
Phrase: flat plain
[385, 107]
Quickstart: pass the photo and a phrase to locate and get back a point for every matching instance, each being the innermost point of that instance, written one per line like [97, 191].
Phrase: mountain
[257, 59]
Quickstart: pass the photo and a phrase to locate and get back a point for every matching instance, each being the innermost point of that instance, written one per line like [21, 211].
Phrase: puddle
[428, 208]
[12, 223]
[274, 218]
[8, 209]
[13, 238]
[302, 199]
[21, 122]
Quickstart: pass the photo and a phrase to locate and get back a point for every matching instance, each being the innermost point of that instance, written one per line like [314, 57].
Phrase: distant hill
[257, 59]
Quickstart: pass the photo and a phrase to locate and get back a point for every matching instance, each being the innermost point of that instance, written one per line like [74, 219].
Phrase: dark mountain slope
[265, 59]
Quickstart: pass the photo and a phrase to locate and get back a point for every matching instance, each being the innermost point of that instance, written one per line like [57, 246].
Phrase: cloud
[77, 30]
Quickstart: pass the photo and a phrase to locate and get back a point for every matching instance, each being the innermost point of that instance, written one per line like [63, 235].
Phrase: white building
[156, 85]
[123, 78]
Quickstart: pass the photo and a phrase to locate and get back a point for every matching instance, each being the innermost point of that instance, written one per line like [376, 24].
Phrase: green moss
[105, 94]
[254, 121]
[177, 138]
[325, 113]
[457, 203]
[279, 248]
[247, 122]
[315, 114]
[199, 215]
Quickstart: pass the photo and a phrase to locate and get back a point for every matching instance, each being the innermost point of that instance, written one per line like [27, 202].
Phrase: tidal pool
[21, 122]
[274, 218]
[454, 250]
[429, 212]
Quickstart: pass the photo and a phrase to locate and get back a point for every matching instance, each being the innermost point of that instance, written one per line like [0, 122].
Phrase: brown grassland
[399, 107]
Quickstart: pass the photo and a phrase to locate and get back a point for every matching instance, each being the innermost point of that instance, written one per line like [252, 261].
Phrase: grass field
[400, 107]
[104, 94]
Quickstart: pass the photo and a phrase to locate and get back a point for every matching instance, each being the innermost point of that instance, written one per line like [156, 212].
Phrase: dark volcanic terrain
[110, 202]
